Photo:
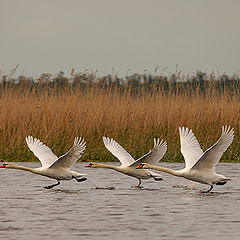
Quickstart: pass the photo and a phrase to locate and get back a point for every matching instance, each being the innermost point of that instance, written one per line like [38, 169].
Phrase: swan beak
[89, 165]
[3, 166]
[140, 166]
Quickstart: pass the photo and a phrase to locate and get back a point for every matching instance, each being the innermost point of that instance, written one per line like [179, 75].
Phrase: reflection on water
[108, 207]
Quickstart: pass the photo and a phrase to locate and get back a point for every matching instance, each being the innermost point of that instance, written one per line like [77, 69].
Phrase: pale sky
[102, 35]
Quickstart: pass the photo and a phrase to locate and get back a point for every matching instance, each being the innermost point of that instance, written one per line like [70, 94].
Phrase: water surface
[108, 207]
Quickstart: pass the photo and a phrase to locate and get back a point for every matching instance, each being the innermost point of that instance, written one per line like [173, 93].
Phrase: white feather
[190, 147]
[69, 158]
[118, 151]
[213, 154]
[41, 151]
[154, 155]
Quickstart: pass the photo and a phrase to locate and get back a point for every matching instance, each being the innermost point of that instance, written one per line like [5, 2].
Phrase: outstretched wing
[212, 155]
[69, 158]
[154, 155]
[41, 151]
[118, 151]
[190, 147]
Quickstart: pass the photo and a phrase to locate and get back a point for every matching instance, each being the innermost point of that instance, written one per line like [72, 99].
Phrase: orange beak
[140, 166]
[3, 166]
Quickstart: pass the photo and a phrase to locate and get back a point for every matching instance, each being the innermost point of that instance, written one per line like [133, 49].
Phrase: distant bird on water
[200, 166]
[129, 164]
[52, 166]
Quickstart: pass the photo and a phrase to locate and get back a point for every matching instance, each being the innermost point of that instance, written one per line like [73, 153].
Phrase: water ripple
[107, 207]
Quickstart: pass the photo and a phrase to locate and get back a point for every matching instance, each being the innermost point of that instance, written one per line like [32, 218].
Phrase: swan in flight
[199, 165]
[128, 164]
[52, 166]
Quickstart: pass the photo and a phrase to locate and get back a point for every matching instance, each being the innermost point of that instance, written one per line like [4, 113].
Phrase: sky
[119, 37]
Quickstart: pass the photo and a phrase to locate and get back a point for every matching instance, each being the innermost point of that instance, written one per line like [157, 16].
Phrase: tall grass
[132, 113]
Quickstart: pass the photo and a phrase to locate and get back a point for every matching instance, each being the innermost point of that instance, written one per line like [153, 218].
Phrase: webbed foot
[221, 183]
[51, 186]
[80, 179]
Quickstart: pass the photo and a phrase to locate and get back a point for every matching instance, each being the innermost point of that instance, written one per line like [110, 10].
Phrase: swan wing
[118, 151]
[41, 151]
[69, 158]
[190, 147]
[154, 155]
[212, 155]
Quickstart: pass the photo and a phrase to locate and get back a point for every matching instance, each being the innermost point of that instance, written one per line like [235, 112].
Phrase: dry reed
[56, 117]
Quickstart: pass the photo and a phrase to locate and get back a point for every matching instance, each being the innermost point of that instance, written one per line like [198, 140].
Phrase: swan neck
[98, 165]
[21, 168]
[166, 170]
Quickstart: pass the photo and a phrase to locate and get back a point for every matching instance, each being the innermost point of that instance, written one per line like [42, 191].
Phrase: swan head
[4, 165]
[90, 165]
[142, 165]
[7, 165]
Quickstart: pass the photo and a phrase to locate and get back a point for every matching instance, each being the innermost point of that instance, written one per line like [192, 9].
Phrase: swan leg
[140, 181]
[51, 186]
[80, 179]
[209, 190]
[139, 184]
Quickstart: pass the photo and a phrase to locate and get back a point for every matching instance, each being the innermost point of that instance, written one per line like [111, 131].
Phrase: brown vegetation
[56, 114]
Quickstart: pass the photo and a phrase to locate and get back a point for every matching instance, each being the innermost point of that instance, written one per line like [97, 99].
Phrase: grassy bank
[131, 112]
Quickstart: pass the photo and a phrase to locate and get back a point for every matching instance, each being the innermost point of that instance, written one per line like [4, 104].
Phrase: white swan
[128, 164]
[52, 166]
[200, 166]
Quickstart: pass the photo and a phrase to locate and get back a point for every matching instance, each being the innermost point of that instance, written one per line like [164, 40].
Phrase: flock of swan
[199, 165]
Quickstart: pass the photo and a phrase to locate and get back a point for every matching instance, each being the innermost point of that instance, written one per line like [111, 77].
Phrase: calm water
[171, 209]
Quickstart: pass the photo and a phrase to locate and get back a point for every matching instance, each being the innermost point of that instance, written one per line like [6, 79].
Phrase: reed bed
[133, 113]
